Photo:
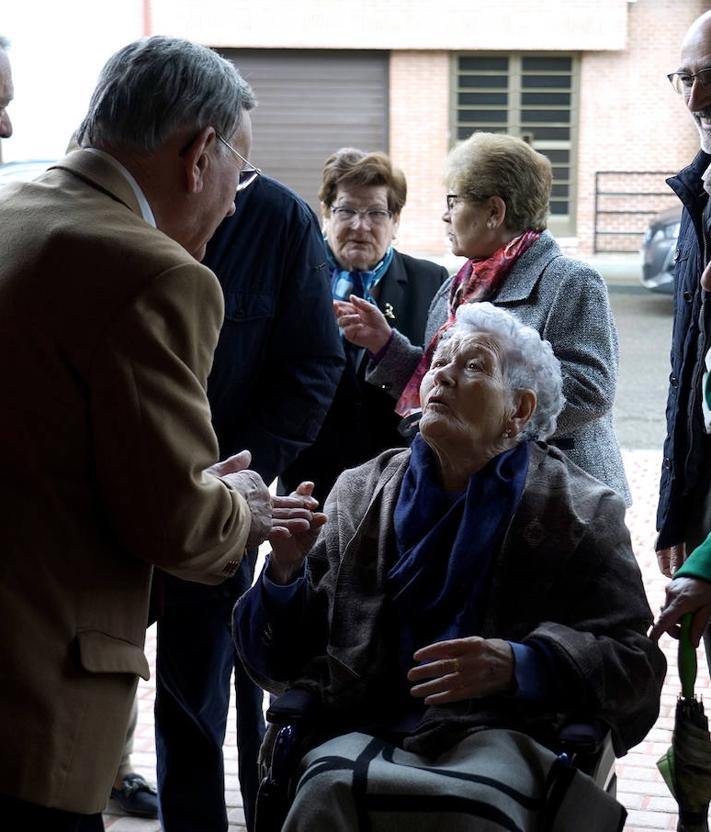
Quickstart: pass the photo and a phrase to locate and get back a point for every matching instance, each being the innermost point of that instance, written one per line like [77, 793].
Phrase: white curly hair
[529, 363]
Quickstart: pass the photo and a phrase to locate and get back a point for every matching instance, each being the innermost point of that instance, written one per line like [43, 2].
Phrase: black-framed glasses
[375, 216]
[684, 81]
[249, 172]
[452, 201]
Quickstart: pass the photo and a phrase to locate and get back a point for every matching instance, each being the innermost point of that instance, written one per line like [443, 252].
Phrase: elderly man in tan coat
[107, 329]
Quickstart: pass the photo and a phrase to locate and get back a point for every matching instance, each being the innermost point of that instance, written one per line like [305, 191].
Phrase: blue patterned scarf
[345, 283]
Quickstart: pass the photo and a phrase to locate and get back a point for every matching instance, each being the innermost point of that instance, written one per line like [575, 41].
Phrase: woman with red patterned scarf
[497, 205]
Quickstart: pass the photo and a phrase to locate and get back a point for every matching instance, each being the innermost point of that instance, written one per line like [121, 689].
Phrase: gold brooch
[389, 311]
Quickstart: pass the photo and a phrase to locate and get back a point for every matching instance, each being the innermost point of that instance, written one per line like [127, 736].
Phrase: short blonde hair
[492, 164]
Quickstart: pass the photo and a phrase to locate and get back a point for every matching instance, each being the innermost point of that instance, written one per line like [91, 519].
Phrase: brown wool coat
[107, 329]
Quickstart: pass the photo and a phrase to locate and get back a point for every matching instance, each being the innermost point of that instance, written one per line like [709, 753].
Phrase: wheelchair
[586, 746]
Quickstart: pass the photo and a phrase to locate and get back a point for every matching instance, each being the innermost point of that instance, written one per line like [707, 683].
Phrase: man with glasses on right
[684, 513]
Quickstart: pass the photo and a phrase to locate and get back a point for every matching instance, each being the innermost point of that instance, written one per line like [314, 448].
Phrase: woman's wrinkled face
[468, 228]
[464, 395]
[360, 241]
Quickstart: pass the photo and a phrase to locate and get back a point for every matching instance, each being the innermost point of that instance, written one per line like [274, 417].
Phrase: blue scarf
[446, 545]
[361, 284]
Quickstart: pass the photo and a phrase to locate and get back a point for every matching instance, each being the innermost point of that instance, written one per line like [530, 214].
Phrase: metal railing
[624, 202]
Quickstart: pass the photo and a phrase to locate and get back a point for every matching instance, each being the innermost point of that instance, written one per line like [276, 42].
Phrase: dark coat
[687, 451]
[279, 354]
[362, 421]
[565, 575]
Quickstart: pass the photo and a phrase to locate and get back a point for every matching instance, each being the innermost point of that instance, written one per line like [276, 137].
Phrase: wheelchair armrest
[292, 714]
[296, 705]
[583, 737]
[588, 747]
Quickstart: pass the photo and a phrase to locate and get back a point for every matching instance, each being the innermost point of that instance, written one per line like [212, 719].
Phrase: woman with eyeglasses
[497, 204]
[362, 196]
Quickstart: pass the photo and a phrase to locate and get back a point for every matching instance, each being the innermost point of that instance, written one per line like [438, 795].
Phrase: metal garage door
[311, 103]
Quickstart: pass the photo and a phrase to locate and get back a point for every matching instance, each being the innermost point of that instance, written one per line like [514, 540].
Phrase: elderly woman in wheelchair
[466, 598]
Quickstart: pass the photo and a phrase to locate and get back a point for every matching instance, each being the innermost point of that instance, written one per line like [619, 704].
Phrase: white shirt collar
[146, 212]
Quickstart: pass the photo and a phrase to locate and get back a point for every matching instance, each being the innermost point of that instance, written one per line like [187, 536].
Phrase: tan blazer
[107, 329]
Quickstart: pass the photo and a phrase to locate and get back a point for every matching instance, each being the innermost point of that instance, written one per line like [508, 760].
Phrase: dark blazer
[362, 421]
[687, 449]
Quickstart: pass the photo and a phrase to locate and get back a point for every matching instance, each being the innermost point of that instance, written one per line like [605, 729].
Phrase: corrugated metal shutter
[310, 104]
[532, 96]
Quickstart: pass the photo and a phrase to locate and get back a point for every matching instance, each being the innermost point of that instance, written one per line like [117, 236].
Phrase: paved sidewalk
[640, 787]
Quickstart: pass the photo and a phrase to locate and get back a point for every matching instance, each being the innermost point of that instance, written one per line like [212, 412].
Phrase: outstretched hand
[462, 668]
[684, 595]
[296, 527]
[363, 324]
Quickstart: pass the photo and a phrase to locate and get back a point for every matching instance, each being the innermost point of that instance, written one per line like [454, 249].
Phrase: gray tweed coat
[565, 575]
[566, 302]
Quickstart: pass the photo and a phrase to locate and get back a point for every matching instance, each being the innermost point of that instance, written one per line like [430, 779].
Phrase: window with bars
[531, 96]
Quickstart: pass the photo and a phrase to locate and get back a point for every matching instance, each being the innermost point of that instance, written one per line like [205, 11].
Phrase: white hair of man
[528, 361]
[158, 85]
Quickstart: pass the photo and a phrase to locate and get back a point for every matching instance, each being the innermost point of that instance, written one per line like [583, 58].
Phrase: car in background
[659, 251]
[23, 171]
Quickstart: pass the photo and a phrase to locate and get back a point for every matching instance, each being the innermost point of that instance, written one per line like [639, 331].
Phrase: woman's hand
[293, 533]
[462, 668]
[684, 595]
[363, 324]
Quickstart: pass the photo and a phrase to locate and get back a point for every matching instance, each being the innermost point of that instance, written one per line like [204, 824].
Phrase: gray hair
[4, 43]
[492, 164]
[529, 363]
[151, 88]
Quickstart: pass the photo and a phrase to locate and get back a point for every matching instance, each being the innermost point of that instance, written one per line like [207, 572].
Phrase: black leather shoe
[135, 797]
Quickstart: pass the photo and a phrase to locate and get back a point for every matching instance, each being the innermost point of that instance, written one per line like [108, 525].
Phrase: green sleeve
[698, 564]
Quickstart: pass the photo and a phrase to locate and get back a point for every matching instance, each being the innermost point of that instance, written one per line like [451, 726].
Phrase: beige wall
[397, 24]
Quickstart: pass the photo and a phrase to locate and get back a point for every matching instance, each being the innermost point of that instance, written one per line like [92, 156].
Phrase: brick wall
[419, 141]
[630, 118]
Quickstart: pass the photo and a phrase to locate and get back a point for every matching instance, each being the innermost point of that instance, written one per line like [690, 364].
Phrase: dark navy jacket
[687, 449]
[279, 355]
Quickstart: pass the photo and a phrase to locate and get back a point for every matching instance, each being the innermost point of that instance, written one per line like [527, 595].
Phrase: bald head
[6, 91]
[695, 57]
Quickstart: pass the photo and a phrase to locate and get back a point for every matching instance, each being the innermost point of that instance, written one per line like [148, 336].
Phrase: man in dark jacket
[276, 367]
[684, 514]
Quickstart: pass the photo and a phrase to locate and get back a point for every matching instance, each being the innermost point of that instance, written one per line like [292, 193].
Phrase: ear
[196, 160]
[497, 211]
[396, 225]
[525, 405]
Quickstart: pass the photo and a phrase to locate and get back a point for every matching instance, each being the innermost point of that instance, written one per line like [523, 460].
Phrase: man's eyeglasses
[248, 173]
[375, 216]
[684, 81]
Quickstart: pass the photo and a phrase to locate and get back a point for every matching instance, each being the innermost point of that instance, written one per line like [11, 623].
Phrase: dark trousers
[194, 660]
[21, 816]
